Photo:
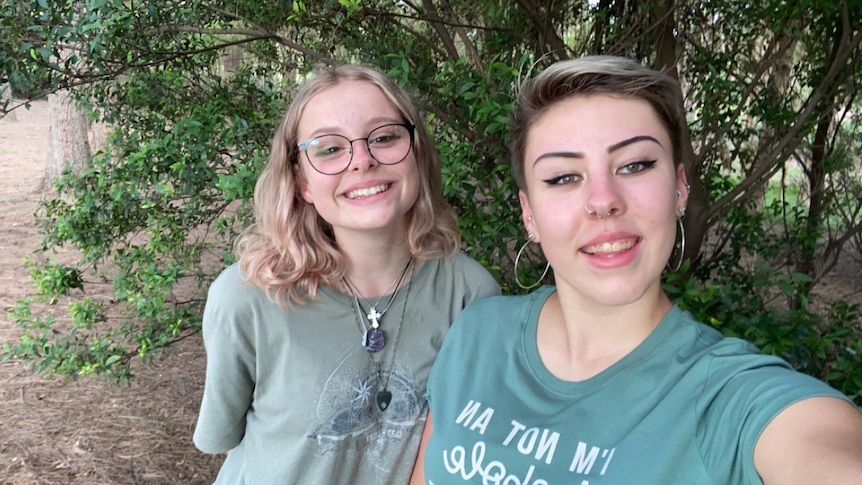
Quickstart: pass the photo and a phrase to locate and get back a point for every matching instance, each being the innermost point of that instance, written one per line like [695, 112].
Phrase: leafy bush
[155, 215]
[769, 306]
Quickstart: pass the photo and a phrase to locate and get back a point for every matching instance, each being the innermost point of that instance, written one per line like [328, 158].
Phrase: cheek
[657, 218]
[655, 212]
[316, 186]
[304, 191]
[555, 220]
[412, 177]
[655, 200]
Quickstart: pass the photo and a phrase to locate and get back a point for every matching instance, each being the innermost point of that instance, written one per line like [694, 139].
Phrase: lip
[366, 190]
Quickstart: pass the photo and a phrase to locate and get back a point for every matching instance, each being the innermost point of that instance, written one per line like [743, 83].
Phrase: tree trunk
[5, 101]
[231, 61]
[68, 138]
[666, 48]
[807, 263]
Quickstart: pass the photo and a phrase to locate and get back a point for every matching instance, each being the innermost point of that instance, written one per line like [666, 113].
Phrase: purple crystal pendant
[373, 340]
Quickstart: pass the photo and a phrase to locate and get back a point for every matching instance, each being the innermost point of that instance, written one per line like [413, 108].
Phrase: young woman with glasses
[599, 379]
[320, 339]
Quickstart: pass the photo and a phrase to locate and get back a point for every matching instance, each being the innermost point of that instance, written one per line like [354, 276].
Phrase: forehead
[585, 112]
[347, 103]
[596, 120]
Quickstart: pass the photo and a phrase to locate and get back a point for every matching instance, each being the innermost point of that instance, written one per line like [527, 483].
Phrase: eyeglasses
[332, 154]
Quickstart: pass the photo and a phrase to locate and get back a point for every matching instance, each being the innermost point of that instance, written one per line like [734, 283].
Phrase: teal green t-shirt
[685, 407]
[291, 392]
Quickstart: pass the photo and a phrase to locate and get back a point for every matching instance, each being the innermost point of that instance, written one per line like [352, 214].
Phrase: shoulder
[230, 282]
[467, 273]
[231, 299]
[740, 380]
[732, 372]
[473, 269]
[518, 306]
[460, 262]
[736, 391]
[503, 312]
[704, 341]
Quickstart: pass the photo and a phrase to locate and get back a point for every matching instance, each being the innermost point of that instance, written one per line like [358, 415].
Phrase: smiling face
[367, 195]
[599, 155]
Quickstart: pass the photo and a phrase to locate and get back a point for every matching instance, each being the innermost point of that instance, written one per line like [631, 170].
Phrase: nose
[361, 158]
[603, 197]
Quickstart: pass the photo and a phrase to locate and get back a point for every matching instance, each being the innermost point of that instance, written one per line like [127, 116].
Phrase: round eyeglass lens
[332, 154]
[390, 144]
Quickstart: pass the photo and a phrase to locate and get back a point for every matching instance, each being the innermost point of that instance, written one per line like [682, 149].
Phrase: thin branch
[760, 174]
[469, 46]
[429, 19]
[438, 25]
[253, 35]
[553, 41]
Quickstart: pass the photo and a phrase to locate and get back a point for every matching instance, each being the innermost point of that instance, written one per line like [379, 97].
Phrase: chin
[619, 295]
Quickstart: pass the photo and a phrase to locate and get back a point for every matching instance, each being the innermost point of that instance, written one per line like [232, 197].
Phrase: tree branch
[553, 44]
[763, 171]
[438, 26]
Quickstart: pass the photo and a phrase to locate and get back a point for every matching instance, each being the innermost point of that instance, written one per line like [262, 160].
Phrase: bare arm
[418, 477]
[817, 440]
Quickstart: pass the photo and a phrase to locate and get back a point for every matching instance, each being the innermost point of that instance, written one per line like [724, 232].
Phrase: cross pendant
[374, 317]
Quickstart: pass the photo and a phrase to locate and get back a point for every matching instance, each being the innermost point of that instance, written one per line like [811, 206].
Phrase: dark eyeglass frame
[410, 127]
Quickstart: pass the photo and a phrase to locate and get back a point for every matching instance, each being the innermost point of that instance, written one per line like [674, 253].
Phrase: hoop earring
[678, 265]
[530, 237]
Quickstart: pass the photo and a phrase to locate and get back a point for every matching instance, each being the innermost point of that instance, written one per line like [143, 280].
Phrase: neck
[374, 263]
[373, 281]
[578, 341]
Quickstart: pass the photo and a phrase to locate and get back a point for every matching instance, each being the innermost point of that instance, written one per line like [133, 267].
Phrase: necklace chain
[384, 396]
[373, 315]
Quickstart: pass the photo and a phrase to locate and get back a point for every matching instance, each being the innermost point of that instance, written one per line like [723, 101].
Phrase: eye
[565, 179]
[383, 139]
[387, 135]
[636, 167]
[322, 151]
[327, 150]
[328, 146]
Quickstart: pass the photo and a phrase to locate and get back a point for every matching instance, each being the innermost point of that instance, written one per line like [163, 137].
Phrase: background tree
[770, 89]
[68, 140]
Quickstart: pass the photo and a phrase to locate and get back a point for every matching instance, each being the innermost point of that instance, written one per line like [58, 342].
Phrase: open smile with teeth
[610, 247]
[368, 192]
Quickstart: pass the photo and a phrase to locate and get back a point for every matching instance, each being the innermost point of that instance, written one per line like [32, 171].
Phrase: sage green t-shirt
[292, 392]
[685, 407]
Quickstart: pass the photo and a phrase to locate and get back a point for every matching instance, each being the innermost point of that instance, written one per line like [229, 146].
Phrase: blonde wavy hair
[289, 250]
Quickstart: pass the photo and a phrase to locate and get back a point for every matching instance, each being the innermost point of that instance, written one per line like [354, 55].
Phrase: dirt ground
[84, 432]
[89, 432]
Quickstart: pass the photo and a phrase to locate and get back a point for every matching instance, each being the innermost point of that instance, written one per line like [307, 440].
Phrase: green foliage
[743, 294]
[153, 217]
[156, 213]
[478, 182]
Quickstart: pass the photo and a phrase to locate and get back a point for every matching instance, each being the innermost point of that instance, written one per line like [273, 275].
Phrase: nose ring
[594, 213]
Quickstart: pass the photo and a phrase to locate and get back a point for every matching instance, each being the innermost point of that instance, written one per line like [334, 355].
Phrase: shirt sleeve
[228, 333]
[480, 283]
[744, 392]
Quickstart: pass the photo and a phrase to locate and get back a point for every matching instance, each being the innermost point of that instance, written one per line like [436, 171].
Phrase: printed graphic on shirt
[520, 453]
[349, 420]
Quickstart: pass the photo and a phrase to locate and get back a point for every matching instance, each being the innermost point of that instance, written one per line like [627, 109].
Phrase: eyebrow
[377, 122]
[611, 149]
